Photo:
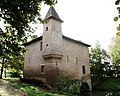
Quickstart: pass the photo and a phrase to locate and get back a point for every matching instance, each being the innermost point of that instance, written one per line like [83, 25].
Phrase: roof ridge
[76, 41]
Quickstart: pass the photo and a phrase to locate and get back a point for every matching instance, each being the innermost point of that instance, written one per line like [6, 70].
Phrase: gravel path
[7, 90]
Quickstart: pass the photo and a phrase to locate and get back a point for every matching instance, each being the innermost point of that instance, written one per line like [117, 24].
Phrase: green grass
[32, 90]
[108, 84]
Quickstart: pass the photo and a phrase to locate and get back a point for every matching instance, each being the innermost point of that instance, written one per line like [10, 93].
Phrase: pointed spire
[52, 14]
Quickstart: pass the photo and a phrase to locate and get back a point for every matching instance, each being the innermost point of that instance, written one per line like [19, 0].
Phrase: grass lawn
[32, 90]
[108, 84]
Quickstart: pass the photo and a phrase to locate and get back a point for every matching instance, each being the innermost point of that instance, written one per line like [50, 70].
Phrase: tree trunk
[1, 73]
[5, 72]
[2, 67]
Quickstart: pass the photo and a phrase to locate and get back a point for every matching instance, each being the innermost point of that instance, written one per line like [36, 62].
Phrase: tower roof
[52, 14]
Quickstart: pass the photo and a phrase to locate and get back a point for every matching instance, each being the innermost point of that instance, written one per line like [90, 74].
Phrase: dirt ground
[7, 90]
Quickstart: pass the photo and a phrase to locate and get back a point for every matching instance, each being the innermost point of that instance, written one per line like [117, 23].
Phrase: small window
[46, 45]
[46, 29]
[83, 69]
[42, 69]
[56, 63]
[67, 59]
[28, 60]
[40, 45]
[76, 60]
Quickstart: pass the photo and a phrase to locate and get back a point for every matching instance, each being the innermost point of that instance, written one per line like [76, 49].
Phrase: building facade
[52, 54]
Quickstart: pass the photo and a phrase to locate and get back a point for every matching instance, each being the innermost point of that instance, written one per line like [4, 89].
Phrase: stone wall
[75, 56]
[33, 61]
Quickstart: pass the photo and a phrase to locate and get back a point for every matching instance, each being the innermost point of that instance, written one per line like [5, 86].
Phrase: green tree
[34, 37]
[115, 52]
[19, 13]
[11, 49]
[117, 2]
[99, 59]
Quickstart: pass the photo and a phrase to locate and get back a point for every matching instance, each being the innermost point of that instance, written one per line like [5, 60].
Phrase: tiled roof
[32, 41]
[40, 38]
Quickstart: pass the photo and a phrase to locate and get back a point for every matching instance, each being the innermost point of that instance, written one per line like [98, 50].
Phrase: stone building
[53, 53]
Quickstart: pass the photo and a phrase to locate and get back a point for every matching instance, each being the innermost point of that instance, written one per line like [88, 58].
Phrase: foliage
[68, 85]
[99, 60]
[108, 84]
[115, 50]
[11, 49]
[14, 73]
[117, 2]
[19, 13]
[32, 90]
[36, 82]
[34, 37]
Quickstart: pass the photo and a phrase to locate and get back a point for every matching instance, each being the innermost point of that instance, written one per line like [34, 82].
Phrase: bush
[84, 87]
[68, 85]
[31, 90]
[14, 74]
[36, 82]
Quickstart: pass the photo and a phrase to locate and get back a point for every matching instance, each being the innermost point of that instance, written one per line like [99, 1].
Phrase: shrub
[36, 82]
[14, 74]
[68, 85]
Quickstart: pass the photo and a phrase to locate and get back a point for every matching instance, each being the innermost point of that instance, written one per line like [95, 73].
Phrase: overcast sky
[86, 20]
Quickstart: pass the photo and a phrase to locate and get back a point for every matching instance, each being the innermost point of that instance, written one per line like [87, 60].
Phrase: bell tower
[52, 35]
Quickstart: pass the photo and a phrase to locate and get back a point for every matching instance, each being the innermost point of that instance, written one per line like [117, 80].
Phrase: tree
[19, 13]
[115, 51]
[10, 49]
[117, 2]
[99, 59]
[34, 37]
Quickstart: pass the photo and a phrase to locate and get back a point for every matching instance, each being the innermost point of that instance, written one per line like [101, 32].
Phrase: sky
[86, 20]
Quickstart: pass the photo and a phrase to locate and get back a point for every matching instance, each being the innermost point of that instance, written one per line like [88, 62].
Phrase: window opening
[67, 59]
[42, 69]
[46, 45]
[46, 29]
[56, 63]
[28, 60]
[83, 68]
[40, 45]
[76, 60]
